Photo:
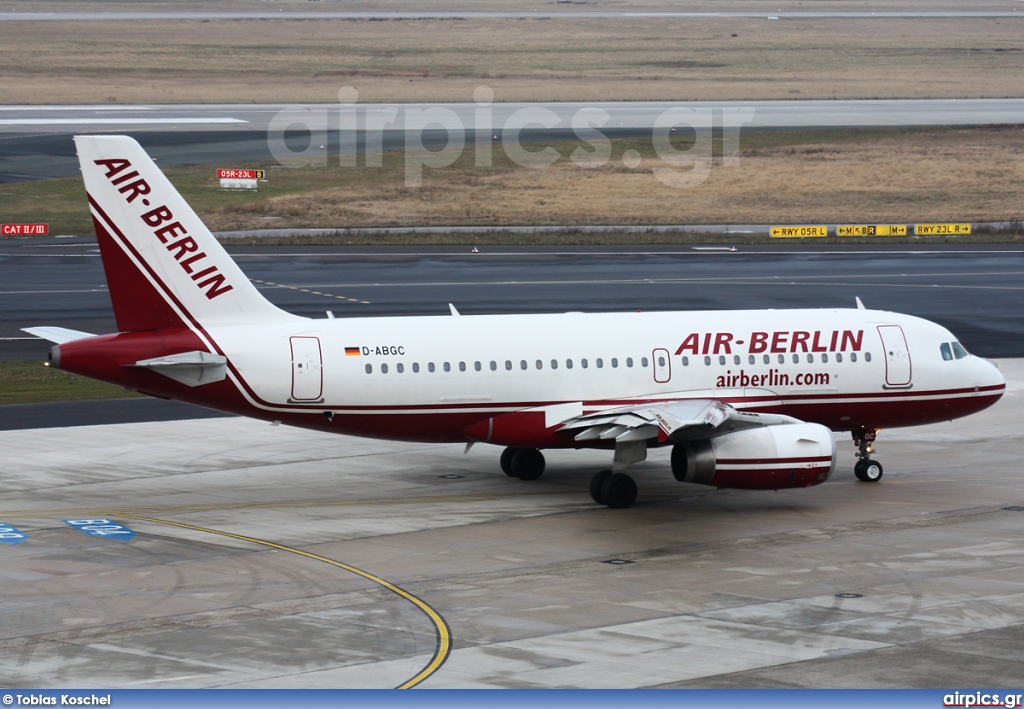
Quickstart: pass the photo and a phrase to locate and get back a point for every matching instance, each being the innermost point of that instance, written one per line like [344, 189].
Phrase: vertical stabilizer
[164, 267]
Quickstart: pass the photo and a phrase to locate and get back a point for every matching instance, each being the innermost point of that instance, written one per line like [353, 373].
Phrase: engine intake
[768, 458]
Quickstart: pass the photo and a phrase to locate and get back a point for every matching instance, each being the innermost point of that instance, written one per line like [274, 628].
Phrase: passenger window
[615, 361]
[751, 359]
[476, 366]
[584, 363]
[447, 367]
[383, 369]
[430, 366]
[494, 366]
[554, 364]
[462, 366]
[661, 361]
[947, 351]
[508, 365]
[782, 359]
[400, 367]
[629, 361]
[600, 363]
[958, 350]
[810, 358]
[824, 358]
[867, 356]
[707, 360]
[568, 364]
[416, 367]
[796, 359]
[643, 361]
[369, 369]
[839, 356]
[767, 359]
[523, 365]
[721, 359]
[736, 359]
[686, 361]
[853, 356]
[540, 365]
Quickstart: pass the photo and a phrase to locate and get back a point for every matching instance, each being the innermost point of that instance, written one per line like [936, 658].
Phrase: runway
[264, 557]
[35, 142]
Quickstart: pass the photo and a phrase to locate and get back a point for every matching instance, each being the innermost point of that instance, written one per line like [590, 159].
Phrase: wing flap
[669, 421]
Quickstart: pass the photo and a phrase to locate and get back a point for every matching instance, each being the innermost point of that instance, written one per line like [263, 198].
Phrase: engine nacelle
[768, 458]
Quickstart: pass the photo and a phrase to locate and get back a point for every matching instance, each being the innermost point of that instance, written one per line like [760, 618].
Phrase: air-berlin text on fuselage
[182, 246]
[723, 343]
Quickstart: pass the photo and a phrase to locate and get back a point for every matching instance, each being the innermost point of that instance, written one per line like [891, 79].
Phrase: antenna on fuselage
[454, 311]
[860, 305]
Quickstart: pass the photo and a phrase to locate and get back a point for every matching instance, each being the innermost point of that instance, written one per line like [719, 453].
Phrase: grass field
[633, 58]
[31, 382]
[783, 177]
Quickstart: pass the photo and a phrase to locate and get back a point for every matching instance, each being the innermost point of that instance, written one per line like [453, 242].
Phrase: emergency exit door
[307, 369]
[662, 365]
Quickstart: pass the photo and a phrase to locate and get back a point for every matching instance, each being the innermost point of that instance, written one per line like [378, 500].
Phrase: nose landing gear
[866, 470]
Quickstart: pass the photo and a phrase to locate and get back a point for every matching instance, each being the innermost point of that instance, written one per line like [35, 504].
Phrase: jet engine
[766, 458]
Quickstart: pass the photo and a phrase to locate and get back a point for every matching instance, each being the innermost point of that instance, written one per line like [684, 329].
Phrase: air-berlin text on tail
[708, 343]
[172, 234]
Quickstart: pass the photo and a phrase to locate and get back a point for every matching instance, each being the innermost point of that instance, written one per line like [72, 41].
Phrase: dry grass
[836, 177]
[522, 60]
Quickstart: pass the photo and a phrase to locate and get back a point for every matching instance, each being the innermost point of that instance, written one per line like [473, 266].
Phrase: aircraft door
[307, 369]
[662, 365]
[898, 370]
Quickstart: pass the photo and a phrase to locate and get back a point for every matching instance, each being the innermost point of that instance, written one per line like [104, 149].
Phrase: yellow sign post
[941, 229]
[798, 232]
[871, 230]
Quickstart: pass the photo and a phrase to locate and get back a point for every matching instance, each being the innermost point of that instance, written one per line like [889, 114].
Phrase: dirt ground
[635, 58]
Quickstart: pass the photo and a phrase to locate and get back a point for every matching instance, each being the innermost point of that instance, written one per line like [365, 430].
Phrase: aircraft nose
[992, 377]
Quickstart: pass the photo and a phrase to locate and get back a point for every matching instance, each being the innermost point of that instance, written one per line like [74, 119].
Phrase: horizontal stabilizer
[57, 335]
[190, 368]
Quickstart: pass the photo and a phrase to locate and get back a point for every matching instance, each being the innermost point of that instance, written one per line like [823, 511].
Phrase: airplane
[744, 399]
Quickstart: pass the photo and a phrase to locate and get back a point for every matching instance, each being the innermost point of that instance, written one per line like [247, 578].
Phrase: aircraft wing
[669, 422]
[58, 335]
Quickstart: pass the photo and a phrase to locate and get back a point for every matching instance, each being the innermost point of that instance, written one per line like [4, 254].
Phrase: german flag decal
[351, 351]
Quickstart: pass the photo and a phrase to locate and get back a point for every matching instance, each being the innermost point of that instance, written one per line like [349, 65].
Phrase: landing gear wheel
[618, 491]
[868, 471]
[596, 483]
[506, 461]
[527, 464]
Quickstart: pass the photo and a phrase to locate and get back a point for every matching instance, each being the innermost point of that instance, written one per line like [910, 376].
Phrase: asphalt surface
[249, 541]
[35, 141]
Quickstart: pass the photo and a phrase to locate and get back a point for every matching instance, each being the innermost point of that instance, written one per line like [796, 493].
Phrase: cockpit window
[946, 350]
[958, 350]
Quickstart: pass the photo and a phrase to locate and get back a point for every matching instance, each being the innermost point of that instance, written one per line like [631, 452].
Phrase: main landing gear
[616, 490]
[866, 470]
[522, 463]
